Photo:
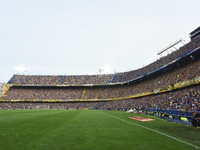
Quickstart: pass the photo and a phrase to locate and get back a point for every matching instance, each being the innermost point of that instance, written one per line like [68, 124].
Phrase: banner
[156, 91]
[197, 80]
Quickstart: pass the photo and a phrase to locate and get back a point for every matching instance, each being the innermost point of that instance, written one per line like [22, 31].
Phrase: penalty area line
[154, 131]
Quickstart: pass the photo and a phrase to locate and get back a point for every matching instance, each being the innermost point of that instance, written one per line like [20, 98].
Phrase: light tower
[20, 70]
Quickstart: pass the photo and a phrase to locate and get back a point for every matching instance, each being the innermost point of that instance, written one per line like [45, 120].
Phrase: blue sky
[78, 37]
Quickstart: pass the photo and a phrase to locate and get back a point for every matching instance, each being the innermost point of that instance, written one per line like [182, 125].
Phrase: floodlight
[20, 70]
[107, 69]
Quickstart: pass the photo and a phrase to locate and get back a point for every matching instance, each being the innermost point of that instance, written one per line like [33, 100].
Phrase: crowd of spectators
[183, 99]
[60, 80]
[36, 79]
[99, 79]
[105, 78]
[24, 93]
[78, 80]
[48, 105]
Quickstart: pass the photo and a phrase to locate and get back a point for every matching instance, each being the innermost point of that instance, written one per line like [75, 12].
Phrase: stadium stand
[169, 85]
[172, 76]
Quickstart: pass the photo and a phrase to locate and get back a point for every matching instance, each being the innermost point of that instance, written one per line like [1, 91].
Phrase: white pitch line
[154, 131]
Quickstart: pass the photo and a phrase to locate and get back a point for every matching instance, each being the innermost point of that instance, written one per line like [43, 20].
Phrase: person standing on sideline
[196, 120]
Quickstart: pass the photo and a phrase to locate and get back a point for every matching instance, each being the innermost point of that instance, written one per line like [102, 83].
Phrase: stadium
[90, 111]
[99, 75]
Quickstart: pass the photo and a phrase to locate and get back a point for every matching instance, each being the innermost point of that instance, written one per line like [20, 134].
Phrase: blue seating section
[111, 81]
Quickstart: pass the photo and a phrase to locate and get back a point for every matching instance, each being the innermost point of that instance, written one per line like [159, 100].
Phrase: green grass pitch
[91, 130]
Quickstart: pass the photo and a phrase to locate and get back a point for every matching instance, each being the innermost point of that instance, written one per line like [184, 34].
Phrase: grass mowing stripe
[32, 129]
[154, 131]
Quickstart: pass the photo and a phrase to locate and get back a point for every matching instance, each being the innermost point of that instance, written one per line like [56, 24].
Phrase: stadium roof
[195, 33]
